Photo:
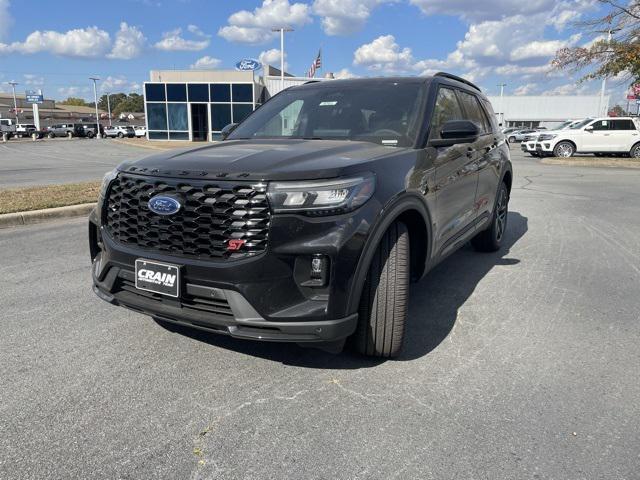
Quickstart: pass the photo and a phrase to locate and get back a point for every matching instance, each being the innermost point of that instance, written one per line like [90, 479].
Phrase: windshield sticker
[389, 142]
[328, 104]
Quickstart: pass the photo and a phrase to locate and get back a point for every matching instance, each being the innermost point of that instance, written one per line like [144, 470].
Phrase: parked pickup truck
[8, 127]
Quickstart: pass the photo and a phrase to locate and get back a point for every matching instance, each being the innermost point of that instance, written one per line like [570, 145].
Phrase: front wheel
[120, 135]
[512, 139]
[490, 240]
[385, 296]
[51, 135]
[564, 150]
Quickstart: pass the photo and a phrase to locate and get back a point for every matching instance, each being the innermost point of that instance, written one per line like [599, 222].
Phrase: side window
[474, 111]
[601, 125]
[447, 108]
[493, 119]
[622, 125]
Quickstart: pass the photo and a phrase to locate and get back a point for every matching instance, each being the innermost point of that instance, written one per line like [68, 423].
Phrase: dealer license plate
[158, 277]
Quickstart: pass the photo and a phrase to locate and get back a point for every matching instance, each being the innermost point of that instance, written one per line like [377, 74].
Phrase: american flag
[317, 63]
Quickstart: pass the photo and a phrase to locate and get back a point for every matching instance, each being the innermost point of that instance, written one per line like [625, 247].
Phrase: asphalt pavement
[519, 364]
[60, 160]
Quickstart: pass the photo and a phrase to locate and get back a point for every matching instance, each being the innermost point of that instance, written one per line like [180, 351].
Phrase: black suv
[308, 222]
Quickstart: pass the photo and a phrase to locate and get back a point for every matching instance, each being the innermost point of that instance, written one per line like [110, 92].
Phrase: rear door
[623, 135]
[456, 177]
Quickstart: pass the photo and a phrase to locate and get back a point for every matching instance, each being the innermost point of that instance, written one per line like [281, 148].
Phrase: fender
[392, 210]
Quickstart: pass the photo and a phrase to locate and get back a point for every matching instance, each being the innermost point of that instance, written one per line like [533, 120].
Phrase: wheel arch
[411, 210]
[575, 146]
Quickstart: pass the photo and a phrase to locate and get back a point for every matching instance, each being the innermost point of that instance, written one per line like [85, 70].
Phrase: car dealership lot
[50, 161]
[519, 364]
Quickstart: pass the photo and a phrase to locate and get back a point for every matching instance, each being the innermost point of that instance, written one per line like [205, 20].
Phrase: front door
[199, 122]
[456, 178]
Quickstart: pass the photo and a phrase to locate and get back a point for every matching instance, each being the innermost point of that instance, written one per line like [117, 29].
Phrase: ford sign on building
[196, 105]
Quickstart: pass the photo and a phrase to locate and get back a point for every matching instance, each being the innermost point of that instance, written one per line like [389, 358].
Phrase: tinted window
[157, 116]
[198, 92]
[178, 116]
[601, 125]
[176, 92]
[474, 112]
[447, 108]
[154, 92]
[241, 111]
[623, 125]
[242, 92]
[220, 92]
[220, 116]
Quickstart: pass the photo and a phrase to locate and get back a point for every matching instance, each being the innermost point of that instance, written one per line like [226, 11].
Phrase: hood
[262, 159]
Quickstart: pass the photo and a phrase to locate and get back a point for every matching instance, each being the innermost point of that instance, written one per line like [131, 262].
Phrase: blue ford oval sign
[163, 205]
[248, 64]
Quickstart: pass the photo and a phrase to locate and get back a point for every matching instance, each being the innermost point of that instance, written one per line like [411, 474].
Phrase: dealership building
[196, 105]
[531, 111]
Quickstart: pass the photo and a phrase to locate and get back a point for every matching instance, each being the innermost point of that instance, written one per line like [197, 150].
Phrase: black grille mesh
[212, 213]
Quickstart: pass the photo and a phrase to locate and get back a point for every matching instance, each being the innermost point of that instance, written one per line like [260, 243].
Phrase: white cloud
[206, 63]
[342, 17]
[173, 41]
[526, 89]
[129, 43]
[384, 54]
[542, 48]
[272, 57]
[345, 73]
[567, 89]
[5, 19]
[255, 27]
[90, 42]
[33, 80]
[118, 84]
[65, 92]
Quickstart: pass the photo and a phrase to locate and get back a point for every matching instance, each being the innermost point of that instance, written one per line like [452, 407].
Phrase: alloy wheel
[635, 153]
[565, 150]
[501, 214]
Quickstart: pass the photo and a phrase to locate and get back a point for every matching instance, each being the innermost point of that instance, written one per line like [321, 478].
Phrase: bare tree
[615, 46]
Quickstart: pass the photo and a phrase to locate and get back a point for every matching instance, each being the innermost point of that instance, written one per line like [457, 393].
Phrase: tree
[617, 111]
[607, 58]
[74, 101]
[133, 103]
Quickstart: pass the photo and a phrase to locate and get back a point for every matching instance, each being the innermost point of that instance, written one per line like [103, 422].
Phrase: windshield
[386, 113]
[581, 124]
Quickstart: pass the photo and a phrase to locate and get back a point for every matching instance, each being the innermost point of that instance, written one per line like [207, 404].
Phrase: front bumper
[263, 297]
[544, 148]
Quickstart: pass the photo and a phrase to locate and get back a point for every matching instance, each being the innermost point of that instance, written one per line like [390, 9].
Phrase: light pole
[15, 103]
[282, 30]
[610, 33]
[502, 85]
[95, 96]
[109, 108]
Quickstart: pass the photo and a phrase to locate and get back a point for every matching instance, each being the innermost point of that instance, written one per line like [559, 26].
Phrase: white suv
[599, 136]
[528, 144]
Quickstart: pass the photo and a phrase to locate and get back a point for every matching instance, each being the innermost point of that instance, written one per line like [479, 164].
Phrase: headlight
[106, 180]
[546, 136]
[323, 197]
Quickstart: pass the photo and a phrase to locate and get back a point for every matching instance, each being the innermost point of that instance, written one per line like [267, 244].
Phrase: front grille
[212, 213]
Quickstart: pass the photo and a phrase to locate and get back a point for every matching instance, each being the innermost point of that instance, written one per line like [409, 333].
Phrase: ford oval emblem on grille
[163, 205]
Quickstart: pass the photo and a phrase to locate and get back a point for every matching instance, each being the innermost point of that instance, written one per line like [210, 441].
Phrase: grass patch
[48, 196]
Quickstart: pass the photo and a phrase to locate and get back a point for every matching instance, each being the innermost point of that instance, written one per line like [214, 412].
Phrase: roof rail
[458, 79]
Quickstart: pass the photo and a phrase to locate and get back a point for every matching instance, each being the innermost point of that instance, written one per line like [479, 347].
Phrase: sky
[57, 45]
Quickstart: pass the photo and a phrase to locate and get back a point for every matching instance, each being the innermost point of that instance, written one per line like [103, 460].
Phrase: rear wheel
[512, 139]
[385, 296]
[120, 135]
[90, 134]
[490, 240]
[564, 150]
[51, 135]
[635, 151]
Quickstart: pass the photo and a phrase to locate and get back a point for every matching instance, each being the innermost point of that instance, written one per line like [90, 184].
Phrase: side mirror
[588, 128]
[226, 131]
[456, 131]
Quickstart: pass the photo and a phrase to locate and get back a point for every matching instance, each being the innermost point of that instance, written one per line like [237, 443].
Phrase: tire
[564, 150]
[120, 135]
[490, 240]
[512, 139]
[90, 134]
[635, 151]
[385, 296]
[51, 135]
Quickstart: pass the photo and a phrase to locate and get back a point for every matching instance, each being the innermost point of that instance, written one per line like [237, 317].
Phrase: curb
[38, 216]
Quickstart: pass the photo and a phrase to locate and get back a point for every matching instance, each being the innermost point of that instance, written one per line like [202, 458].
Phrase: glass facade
[170, 115]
